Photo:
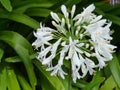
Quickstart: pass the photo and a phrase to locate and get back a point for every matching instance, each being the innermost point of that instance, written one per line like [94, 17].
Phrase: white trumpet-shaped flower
[75, 39]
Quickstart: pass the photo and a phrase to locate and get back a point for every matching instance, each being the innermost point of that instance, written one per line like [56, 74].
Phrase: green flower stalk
[82, 39]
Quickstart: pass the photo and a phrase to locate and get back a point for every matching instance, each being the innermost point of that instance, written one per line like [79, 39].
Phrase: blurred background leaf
[7, 4]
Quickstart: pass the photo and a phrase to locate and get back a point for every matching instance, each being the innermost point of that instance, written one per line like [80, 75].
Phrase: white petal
[90, 63]
[44, 29]
[62, 54]
[63, 43]
[87, 54]
[78, 16]
[42, 40]
[76, 60]
[96, 19]
[88, 10]
[54, 24]
[63, 22]
[87, 45]
[78, 50]
[100, 59]
[64, 11]
[44, 52]
[101, 22]
[57, 70]
[55, 17]
[77, 30]
[42, 34]
[84, 70]
[70, 40]
[78, 22]
[80, 45]
[91, 48]
[75, 75]
[70, 53]
[55, 46]
[73, 10]
[47, 60]
[61, 29]
[81, 36]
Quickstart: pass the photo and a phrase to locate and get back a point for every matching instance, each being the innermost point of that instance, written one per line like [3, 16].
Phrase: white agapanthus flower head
[82, 39]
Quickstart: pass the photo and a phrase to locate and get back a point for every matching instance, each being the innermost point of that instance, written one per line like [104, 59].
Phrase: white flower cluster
[82, 39]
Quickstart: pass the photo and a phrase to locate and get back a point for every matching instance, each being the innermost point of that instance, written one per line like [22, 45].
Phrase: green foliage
[6, 4]
[52, 80]
[19, 70]
[12, 80]
[115, 70]
[3, 77]
[22, 48]
[95, 83]
[1, 54]
[109, 84]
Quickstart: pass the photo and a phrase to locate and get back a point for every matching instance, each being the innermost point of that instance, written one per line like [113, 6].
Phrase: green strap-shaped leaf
[104, 5]
[72, 2]
[95, 83]
[55, 82]
[24, 84]
[109, 84]
[21, 18]
[99, 11]
[22, 48]
[68, 3]
[38, 12]
[80, 84]
[3, 77]
[6, 4]
[24, 5]
[1, 54]
[12, 80]
[113, 18]
[75, 88]
[16, 59]
[42, 82]
[23, 53]
[16, 39]
[115, 69]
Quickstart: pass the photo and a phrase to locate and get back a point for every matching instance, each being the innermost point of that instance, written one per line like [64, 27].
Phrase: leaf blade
[3, 77]
[20, 18]
[12, 80]
[109, 84]
[1, 53]
[7, 4]
[24, 84]
[23, 49]
[115, 69]
[52, 79]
